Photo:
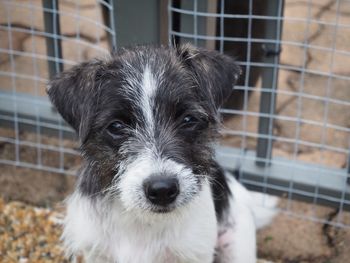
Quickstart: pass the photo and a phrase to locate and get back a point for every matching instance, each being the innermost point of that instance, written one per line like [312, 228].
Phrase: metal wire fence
[39, 39]
[286, 126]
[287, 123]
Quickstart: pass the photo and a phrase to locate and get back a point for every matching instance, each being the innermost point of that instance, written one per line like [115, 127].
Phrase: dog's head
[146, 119]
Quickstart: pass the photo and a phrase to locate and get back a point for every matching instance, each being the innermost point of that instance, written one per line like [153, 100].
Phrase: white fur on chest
[108, 233]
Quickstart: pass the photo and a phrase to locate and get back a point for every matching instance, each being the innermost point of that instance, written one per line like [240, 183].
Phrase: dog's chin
[162, 210]
[170, 210]
[151, 209]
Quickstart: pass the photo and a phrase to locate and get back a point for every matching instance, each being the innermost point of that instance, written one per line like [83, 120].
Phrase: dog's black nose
[161, 190]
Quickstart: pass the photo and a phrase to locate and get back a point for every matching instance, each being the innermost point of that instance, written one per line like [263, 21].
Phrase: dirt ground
[292, 237]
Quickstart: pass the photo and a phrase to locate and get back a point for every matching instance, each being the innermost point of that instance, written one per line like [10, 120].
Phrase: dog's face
[146, 119]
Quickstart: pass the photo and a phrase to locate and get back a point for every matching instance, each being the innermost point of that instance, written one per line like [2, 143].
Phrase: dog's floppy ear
[71, 92]
[216, 73]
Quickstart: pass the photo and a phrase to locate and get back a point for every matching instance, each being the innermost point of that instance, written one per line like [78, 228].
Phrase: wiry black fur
[220, 189]
[193, 82]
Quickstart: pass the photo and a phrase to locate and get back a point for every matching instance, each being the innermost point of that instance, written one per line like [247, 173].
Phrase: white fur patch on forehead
[149, 83]
[149, 86]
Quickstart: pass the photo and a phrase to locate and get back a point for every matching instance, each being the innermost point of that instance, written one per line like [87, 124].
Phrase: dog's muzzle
[161, 190]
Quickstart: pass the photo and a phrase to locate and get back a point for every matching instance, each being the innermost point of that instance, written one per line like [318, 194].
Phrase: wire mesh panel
[38, 40]
[287, 124]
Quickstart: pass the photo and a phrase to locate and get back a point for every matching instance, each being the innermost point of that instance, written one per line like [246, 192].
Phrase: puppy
[149, 189]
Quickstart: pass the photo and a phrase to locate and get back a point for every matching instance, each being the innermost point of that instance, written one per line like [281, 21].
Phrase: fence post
[136, 25]
[348, 179]
[269, 80]
[53, 43]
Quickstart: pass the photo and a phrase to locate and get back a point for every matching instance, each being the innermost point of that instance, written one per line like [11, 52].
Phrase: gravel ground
[29, 234]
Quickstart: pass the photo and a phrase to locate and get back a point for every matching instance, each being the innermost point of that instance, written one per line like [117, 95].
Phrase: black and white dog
[150, 189]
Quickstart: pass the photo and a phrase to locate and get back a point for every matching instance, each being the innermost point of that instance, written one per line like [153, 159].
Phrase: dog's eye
[191, 122]
[115, 129]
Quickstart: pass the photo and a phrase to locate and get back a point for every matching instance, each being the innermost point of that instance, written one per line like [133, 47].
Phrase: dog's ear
[72, 93]
[216, 73]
